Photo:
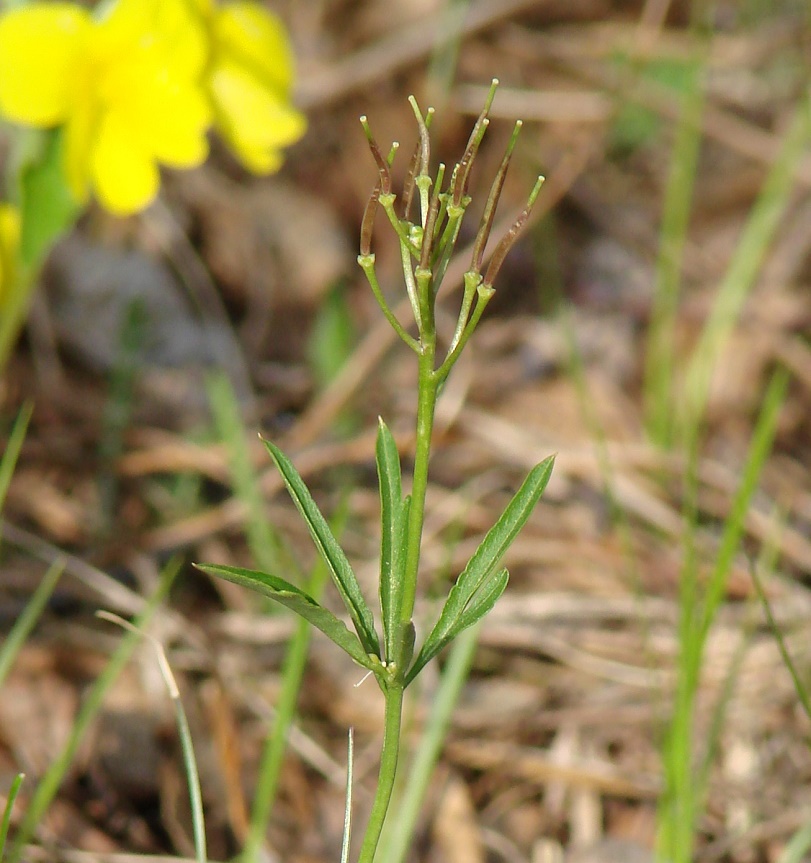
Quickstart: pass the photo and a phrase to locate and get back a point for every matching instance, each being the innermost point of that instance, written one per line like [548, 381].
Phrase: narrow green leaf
[481, 602]
[445, 631]
[339, 567]
[14, 445]
[476, 585]
[13, 791]
[296, 600]
[499, 538]
[392, 521]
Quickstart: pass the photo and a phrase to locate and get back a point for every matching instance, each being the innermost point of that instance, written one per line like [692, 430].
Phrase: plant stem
[388, 770]
[428, 384]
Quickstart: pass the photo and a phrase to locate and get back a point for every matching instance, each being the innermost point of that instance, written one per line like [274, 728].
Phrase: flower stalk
[427, 241]
[427, 245]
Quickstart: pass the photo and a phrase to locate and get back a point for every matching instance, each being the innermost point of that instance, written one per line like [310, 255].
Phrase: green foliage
[13, 791]
[330, 550]
[52, 778]
[426, 244]
[12, 450]
[48, 208]
[394, 524]
[297, 600]
[685, 782]
[480, 585]
[635, 125]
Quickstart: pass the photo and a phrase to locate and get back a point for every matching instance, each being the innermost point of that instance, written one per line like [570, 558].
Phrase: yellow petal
[248, 35]
[258, 160]
[41, 54]
[77, 150]
[124, 174]
[170, 122]
[167, 29]
[253, 119]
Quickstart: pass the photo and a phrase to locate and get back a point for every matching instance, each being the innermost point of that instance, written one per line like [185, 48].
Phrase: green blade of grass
[685, 789]
[51, 781]
[743, 269]
[13, 791]
[799, 686]
[659, 355]
[183, 731]
[263, 540]
[270, 766]
[27, 620]
[796, 849]
[12, 451]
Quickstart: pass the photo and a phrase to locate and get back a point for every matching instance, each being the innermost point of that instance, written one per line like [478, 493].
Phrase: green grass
[685, 777]
[49, 784]
[13, 449]
[13, 791]
[685, 768]
[267, 550]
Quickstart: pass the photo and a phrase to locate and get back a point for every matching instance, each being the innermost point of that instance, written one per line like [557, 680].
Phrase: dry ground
[557, 737]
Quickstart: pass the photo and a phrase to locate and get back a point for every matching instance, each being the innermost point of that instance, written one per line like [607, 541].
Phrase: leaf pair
[476, 590]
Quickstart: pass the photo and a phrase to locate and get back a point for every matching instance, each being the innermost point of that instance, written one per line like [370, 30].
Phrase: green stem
[388, 770]
[428, 384]
[367, 264]
[399, 832]
[484, 295]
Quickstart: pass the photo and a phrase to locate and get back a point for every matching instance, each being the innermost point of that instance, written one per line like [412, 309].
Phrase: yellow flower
[9, 245]
[125, 86]
[249, 77]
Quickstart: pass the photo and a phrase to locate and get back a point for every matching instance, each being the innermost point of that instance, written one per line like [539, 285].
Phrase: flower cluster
[138, 85]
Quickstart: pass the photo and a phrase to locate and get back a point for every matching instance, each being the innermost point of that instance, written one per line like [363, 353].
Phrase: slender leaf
[393, 518]
[476, 589]
[446, 630]
[498, 539]
[27, 620]
[13, 447]
[296, 600]
[481, 602]
[340, 569]
[13, 791]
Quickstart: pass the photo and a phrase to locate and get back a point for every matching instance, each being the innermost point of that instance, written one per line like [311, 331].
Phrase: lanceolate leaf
[446, 629]
[478, 586]
[392, 519]
[482, 601]
[499, 538]
[296, 600]
[332, 553]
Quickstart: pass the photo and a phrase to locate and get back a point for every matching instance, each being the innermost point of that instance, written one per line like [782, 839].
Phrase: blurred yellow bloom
[9, 245]
[125, 86]
[249, 77]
